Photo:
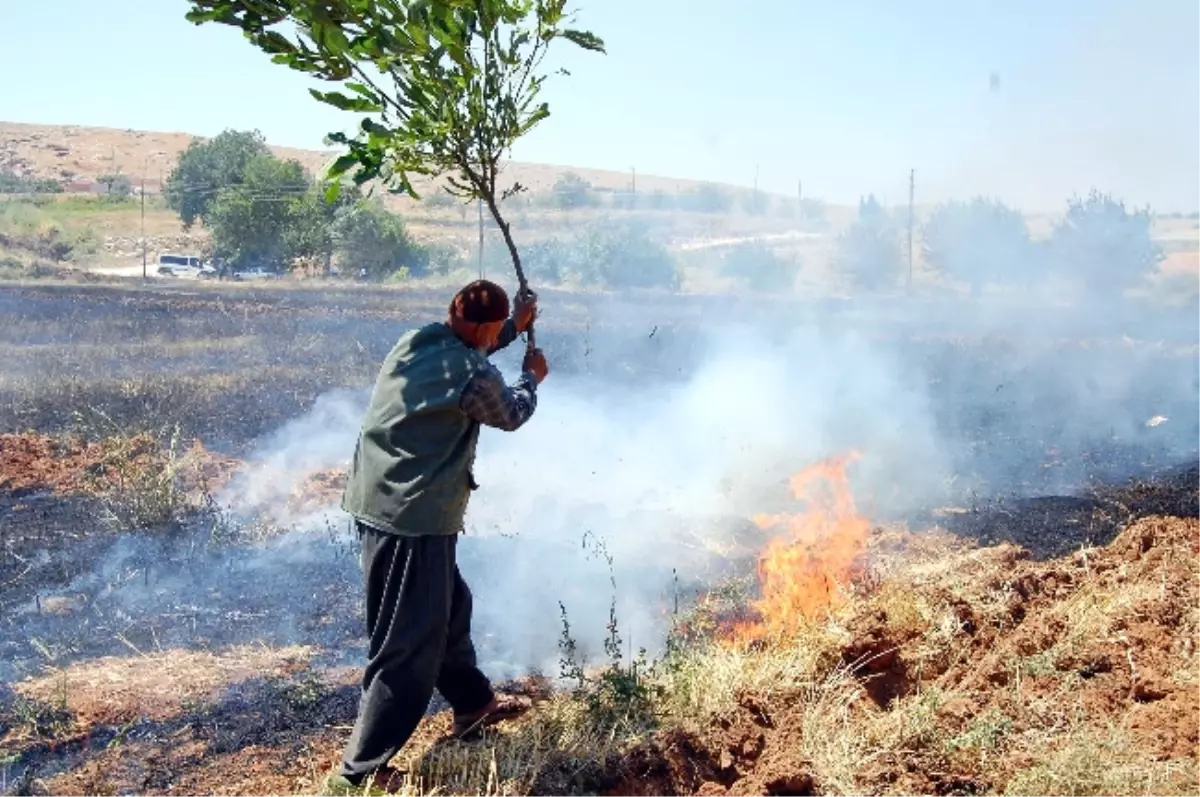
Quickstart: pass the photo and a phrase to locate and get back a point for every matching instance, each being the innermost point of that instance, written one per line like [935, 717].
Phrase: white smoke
[653, 476]
[660, 474]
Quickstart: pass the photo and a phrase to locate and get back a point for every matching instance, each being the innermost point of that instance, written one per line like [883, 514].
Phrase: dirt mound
[1122, 621]
[33, 463]
[983, 670]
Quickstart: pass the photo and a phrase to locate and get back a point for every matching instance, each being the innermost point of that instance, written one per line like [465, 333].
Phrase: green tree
[755, 203]
[253, 222]
[309, 233]
[611, 254]
[548, 261]
[13, 183]
[979, 241]
[621, 254]
[572, 191]
[438, 198]
[659, 199]
[447, 86]
[205, 168]
[869, 251]
[369, 237]
[759, 267]
[1103, 244]
[116, 186]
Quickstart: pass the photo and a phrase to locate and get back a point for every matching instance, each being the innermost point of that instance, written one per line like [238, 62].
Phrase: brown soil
[318, 490]
[157, 686]
[1104, 640]
[216, 726]
[1127, 676]
[33, 463]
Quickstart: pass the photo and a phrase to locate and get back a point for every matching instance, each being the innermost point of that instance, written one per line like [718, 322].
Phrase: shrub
[869, 251]
[1102, 244]
[759, 268]
[979, 241]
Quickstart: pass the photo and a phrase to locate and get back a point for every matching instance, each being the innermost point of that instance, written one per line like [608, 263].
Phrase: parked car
[254, 273]
[185, 266]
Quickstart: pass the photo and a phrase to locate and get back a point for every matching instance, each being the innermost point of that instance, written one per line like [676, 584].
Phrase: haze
[1026, 102]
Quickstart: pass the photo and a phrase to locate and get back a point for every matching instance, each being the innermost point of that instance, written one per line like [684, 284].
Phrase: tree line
[1098, 245]
[271, 213]
[268, 213]
[264, 212]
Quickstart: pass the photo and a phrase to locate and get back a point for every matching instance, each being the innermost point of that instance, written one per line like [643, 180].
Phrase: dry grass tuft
[159, 685]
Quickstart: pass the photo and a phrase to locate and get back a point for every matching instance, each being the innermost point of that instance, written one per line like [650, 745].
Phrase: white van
[170, 265]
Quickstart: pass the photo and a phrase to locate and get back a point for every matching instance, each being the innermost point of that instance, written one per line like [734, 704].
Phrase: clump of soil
[999, 660]
[70, 464]
[33, 462]
[318, 490]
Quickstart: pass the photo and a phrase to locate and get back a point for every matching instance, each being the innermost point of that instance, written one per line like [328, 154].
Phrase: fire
[804, 571]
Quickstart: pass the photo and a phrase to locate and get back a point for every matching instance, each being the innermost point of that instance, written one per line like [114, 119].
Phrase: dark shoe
[502, 707]
[384, 780]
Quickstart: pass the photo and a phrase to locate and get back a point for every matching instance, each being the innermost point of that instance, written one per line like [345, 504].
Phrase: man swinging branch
[410, 481]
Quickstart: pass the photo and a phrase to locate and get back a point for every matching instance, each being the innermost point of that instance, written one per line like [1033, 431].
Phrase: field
[994, 590]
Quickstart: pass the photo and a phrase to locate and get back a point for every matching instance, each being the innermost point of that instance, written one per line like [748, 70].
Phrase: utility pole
[911, 187]
[800, 197]
[143, 224]
[633, 175]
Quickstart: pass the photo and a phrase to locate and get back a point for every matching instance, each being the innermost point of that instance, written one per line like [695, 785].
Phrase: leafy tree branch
[446, 86]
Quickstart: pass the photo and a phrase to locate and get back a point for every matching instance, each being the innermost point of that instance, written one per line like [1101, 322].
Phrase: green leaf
[584, 39]
[272, 42]
[342, 165]
[341, 101]
[332, 189]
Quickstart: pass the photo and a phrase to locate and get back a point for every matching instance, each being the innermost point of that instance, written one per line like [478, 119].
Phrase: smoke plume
[635, 478]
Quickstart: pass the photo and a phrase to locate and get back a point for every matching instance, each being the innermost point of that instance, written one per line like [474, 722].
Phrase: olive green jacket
[411, 472]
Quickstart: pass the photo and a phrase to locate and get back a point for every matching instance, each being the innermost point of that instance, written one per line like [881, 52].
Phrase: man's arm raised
[489, 401]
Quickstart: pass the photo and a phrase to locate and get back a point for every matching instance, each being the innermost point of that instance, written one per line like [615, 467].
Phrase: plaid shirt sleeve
[489, 401]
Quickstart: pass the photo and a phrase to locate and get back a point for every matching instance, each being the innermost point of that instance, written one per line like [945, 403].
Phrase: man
[409, 484]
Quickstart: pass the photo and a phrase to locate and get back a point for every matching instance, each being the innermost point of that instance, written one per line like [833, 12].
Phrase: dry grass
[993, 705]
[1090, 761]
[996, 650]
[155, 684]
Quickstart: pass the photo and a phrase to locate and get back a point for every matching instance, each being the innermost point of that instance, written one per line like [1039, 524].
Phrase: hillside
[81, 154]
[78, 155]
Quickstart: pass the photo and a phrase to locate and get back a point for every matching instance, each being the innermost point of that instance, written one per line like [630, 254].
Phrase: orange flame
[804, 571]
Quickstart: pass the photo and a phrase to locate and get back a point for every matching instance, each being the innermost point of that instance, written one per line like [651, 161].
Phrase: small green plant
[300, 693]
[619, 694]
[38, 719]
[984, 733]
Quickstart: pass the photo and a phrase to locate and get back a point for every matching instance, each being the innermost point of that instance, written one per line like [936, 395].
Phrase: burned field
[181, 610]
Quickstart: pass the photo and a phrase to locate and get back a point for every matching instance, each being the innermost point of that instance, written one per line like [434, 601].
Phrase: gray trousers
[419, 622]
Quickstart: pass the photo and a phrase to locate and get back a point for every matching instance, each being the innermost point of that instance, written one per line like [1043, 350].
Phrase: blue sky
[847, 96]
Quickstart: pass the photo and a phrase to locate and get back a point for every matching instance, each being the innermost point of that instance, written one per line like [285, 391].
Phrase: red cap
[480, 302]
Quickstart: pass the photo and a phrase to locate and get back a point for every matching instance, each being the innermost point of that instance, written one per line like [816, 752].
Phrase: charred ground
[111, 576]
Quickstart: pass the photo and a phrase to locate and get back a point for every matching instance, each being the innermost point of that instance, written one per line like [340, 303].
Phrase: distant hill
[76, 154]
